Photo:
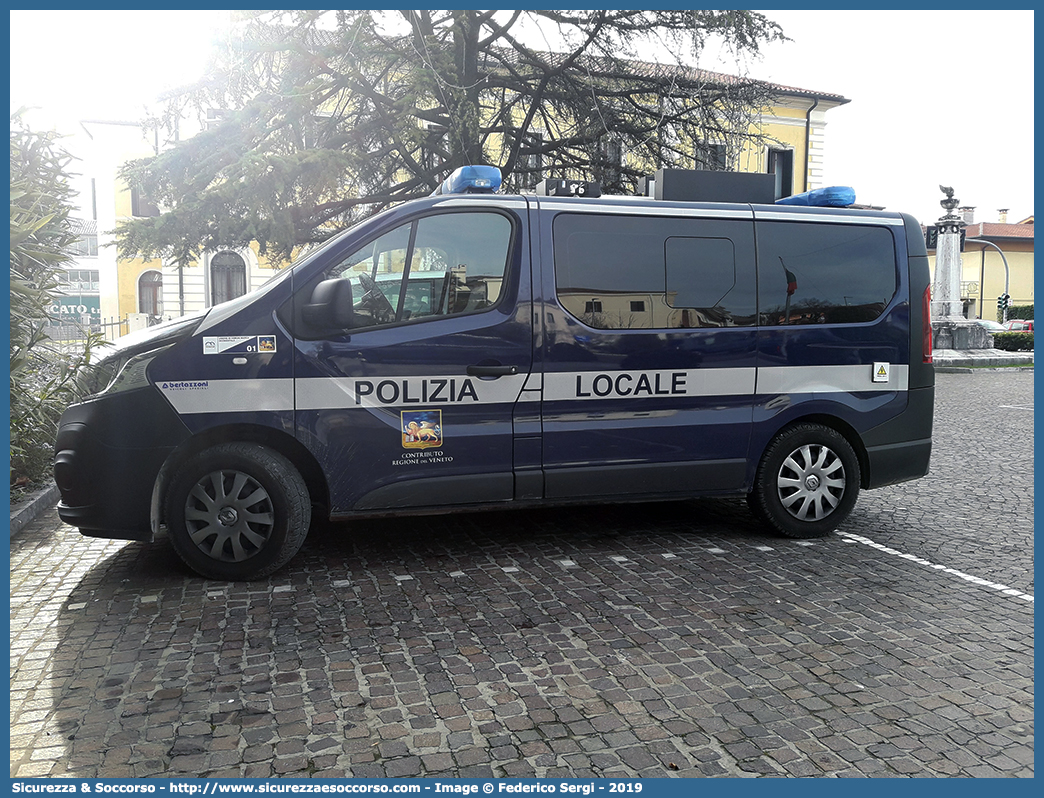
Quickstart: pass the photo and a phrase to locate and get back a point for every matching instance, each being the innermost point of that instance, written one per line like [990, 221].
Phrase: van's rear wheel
[237, 511]
[807, 482]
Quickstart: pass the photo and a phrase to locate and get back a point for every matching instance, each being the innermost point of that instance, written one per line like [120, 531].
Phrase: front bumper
[108, 453]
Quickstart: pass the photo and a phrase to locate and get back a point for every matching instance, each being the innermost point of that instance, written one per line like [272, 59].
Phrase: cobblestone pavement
[675, 639]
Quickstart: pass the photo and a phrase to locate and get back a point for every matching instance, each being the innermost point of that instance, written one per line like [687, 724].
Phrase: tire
[807, 482]
[237, 511]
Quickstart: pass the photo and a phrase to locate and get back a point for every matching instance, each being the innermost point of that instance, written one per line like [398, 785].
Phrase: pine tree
[327, 117]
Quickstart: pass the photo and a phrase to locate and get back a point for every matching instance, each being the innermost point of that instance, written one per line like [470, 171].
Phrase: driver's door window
[456, 264]
[376, 272]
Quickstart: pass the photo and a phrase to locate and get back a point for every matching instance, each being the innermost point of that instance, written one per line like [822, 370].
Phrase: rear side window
[436, 266]
[644, 272]
[824, 273]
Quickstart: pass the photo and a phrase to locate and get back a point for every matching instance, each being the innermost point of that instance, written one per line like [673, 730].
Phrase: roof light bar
[829, 197]
[471, 180]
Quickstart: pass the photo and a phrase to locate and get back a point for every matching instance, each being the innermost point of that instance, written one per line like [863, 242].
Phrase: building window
[77, 281]
[85, 246]
[227, 277]
[637, 307]
[531, 160]
[711, 157]
[593, 306]
[86, 243]
[781, 164]
[214, 118]
[150, 293]
[140, 206]
[609, 168]
[434, 150]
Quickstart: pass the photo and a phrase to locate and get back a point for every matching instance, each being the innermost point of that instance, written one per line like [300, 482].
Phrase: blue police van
[479, 350]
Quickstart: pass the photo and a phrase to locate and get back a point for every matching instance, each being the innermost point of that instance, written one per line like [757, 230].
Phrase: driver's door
[412, 406]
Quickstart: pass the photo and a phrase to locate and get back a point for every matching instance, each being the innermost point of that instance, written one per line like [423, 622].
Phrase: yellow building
[790, 133]
[983, 275]
[795, 126]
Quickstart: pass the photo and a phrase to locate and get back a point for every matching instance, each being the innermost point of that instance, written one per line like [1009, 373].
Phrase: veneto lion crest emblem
[421, 429]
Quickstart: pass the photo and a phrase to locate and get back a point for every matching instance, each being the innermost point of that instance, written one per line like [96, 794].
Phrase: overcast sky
[942, 96]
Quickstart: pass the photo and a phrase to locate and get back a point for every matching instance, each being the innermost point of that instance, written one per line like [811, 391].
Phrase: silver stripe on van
[830, 379]
[228, 396]
[649, 210]
[483, 200]
[330, 393]
[778, 216]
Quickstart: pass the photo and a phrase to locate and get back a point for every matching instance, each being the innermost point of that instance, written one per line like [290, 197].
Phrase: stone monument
[950, 329]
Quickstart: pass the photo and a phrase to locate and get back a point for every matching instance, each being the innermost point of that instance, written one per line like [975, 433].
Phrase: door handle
[491, 371]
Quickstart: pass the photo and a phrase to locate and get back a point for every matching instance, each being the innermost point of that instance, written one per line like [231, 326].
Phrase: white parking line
[1016, 407]
[975, 580]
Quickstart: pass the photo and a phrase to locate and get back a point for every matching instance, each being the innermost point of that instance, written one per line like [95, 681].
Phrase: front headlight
[124, 368]
[94, 378]
[132, 375]
[116, 374]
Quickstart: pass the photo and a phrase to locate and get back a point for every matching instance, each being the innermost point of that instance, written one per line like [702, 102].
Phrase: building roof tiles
[998, 230]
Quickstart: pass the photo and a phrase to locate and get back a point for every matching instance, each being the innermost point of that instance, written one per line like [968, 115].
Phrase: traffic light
[1003, 301]
[931, 237]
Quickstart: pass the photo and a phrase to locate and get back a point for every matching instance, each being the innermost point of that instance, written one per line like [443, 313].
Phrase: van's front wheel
[807, 482]
[237, 511]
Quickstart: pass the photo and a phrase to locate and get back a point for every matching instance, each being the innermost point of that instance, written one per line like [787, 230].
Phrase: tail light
[926, 325]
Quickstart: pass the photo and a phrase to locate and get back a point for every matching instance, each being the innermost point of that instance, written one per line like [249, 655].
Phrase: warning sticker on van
[238, 344]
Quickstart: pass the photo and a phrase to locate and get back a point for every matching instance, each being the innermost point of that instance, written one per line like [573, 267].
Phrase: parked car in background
[1019, 325]
[992, 327]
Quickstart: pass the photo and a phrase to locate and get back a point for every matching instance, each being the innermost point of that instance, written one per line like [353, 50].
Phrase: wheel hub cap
[229, 515]
[811, 482]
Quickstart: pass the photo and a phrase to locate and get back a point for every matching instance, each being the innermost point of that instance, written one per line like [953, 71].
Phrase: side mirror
[330, 307]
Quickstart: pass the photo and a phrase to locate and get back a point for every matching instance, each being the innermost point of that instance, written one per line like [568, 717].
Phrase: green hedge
[1020, 312]
[1013, 341]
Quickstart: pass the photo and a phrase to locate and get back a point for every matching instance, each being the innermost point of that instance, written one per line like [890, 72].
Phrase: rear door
[649, 350]
[835, 320]
[412, 406]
